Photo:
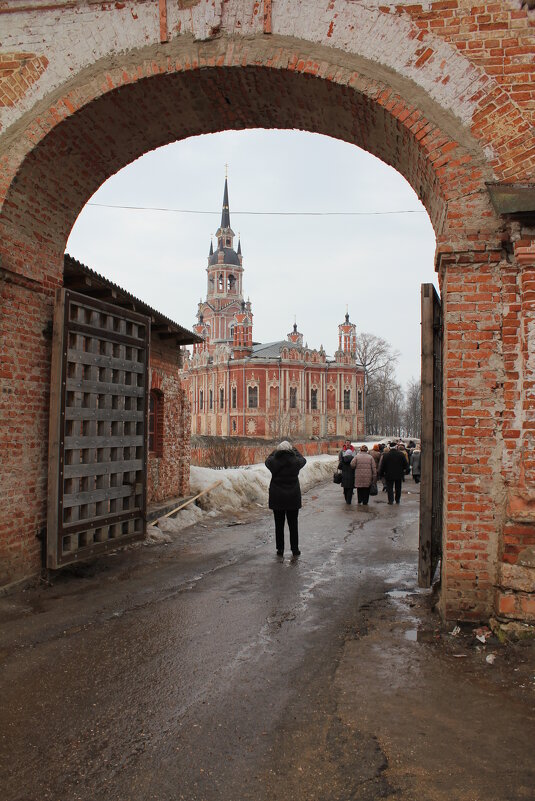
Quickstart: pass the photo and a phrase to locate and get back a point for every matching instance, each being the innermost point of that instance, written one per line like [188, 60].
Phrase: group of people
[359, 469]
[390, 462]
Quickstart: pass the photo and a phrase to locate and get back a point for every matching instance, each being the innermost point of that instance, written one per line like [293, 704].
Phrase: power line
[263, 213]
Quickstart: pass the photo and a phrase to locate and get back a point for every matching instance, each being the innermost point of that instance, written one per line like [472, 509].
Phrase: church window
[347, 399]
[211, 399]
[313, 398]
[252, 397]
[293, 397]
[201, 400]
[359, 400]
[156, 422]
[231, 283]
[331, 399]
[220, 282]
[234, 398]
[221, 398]
[234, 425]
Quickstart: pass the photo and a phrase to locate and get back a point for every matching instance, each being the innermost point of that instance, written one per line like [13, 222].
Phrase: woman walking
[348, 473]
[365, 474]
[284, 465]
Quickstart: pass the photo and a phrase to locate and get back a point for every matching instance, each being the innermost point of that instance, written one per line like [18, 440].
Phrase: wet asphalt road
[209, 669]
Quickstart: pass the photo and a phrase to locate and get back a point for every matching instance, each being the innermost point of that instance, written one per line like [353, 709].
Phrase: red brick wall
[168, 474]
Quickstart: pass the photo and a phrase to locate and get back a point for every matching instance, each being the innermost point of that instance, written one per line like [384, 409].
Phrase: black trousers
[291, 516]
[390, 489]
[363, 495]
[348, 494]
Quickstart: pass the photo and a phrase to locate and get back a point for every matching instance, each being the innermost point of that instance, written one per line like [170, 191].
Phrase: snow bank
[246, 486]
[239, 489]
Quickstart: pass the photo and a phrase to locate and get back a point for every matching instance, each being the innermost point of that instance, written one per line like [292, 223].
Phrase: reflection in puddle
[419, 635]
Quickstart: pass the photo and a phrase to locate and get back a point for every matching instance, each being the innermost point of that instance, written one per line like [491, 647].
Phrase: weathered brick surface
[443, 91]
[168, 474]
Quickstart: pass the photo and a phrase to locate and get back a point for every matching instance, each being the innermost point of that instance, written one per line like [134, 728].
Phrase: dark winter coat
[365, 471]
[393, 465]
[284, 489]
[348, 473]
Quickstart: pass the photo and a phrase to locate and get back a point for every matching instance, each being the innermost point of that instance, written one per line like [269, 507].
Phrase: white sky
[309, 268]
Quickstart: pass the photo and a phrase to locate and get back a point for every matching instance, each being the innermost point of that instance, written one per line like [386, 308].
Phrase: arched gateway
[442, 91]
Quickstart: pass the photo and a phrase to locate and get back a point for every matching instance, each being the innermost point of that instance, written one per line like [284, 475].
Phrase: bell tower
[224, 295]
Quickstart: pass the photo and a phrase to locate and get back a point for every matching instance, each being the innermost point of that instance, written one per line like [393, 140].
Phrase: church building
[238, 387]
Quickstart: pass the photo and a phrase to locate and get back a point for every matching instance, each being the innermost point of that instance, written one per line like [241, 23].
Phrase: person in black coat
[284, 465]
[348, 473]
[393, 467]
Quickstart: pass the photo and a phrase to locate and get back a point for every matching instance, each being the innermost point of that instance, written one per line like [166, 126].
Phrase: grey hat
[284, 446]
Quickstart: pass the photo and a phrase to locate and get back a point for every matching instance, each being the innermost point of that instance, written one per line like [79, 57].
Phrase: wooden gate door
[431, 486]
[98, 423]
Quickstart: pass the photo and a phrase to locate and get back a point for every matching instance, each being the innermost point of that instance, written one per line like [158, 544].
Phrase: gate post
[473, 283]
[515, 586]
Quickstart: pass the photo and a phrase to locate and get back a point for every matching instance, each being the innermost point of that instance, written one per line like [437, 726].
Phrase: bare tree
[382, 392]
[375, 354]
[413, 408]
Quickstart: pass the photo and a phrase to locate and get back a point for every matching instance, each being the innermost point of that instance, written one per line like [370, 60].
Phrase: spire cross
[226, 170]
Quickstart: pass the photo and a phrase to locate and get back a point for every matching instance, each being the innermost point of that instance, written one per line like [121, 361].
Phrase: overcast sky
[307, 268]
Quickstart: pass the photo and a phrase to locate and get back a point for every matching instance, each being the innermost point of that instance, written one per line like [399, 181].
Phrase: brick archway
[62, 144]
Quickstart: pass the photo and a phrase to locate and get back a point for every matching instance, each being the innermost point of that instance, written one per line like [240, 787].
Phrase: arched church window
[234, 397]
[359, 400]
[293, 397]
[201, 400]
[231, 283]
[313, 398]
[221, 398]
[347, 399]
[220, 282]
[252, 397]
[210, 399]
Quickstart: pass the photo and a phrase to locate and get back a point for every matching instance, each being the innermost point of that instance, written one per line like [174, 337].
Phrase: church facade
[237, 387]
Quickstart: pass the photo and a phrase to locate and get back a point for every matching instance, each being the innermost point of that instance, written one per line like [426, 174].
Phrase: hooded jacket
[284, 489]
[393, 465]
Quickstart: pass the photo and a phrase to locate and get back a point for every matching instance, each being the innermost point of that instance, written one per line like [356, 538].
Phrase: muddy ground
[208, 668]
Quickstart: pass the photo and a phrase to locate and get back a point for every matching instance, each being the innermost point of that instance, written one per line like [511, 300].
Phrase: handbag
[337, 477]
[373, 488]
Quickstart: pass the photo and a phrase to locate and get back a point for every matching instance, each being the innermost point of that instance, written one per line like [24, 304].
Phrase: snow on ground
[240, 488]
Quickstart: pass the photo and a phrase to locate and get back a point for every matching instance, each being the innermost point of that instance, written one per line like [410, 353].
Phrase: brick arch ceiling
[71, 162]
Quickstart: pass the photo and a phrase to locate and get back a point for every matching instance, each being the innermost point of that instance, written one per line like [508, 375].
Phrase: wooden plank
[426, 481]
[186, 503]
[103, 442]
[105, 415]
[83, 498]
[101, 360]
[104, 388]
[104, 333]
[102, 468]
[110, 519]
[86, 302]
[55, 478]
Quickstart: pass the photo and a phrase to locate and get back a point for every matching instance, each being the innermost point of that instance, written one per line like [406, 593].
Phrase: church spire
[225, 234]
[225, 214]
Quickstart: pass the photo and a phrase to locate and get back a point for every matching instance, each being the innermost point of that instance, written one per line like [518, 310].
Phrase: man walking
[393, 467]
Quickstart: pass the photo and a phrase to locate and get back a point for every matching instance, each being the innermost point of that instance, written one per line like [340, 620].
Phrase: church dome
[229, 256]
